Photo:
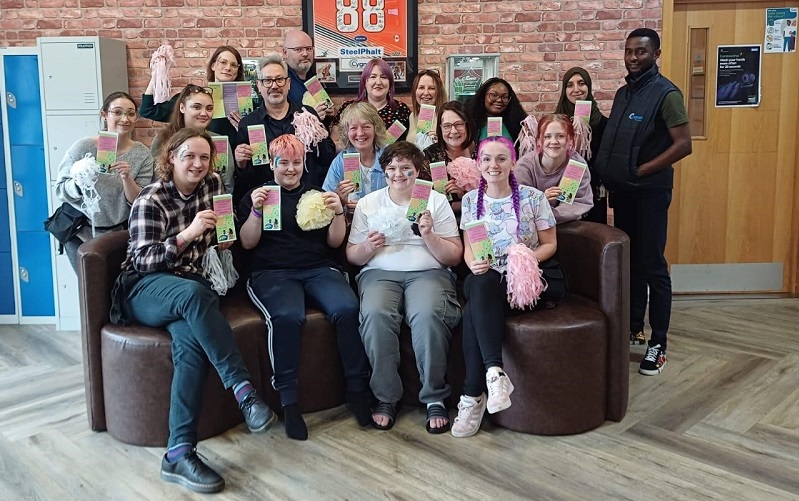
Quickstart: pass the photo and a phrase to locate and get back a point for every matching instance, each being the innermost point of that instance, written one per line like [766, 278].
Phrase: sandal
[436, 411]
[387, 410]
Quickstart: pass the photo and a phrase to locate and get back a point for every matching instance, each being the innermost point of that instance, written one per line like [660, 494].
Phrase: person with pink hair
[544, 168]
[377, 88]
[513, 213]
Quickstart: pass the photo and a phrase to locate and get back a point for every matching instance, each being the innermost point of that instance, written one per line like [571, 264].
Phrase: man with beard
[647, 132]
[276, 115]
[298, 50]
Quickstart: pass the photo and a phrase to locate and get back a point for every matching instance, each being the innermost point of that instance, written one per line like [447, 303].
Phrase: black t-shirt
[289, 248]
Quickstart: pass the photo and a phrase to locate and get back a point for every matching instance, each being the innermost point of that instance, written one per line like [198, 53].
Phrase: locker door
[29, 184]
[63, 131]
[70, 76]
[7, 303]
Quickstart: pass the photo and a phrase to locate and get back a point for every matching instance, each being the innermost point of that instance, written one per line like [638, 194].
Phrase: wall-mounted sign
[348, 33]
[780, 33]
[738, 75]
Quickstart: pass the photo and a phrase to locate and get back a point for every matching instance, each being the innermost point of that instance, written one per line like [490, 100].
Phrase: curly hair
[512, 116]
[164, 168]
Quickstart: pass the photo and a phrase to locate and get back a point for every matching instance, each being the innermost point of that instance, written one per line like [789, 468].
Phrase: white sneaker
[499, 390]
[470, 415]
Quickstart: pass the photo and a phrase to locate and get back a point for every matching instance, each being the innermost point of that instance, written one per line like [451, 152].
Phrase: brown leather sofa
[569, 365]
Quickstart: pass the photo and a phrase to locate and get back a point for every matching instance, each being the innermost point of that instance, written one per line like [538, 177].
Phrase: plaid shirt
[158, 214]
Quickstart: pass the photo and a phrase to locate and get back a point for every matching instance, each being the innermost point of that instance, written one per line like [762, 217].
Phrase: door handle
[24, 275]
[11, 99]
[18, 189]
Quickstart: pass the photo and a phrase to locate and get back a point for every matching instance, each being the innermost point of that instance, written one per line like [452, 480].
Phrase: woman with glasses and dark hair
[195, 107]
[428, 88]
[377, 88]
[225, 65]
[455, 138]
[496, 98]
[132, 170]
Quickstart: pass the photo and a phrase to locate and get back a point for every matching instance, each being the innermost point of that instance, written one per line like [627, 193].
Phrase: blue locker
[6, 285]
[30, 187]
[35, 275]
[25, 116]
[5, 232]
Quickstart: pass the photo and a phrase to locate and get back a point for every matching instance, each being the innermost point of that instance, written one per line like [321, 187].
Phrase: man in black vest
[646, 133]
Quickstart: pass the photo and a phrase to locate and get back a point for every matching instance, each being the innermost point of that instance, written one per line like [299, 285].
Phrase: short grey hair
[272, 58]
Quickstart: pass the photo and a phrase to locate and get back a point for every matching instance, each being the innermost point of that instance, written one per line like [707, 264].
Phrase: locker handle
[11, 99]
[24, 275]
[18, 189]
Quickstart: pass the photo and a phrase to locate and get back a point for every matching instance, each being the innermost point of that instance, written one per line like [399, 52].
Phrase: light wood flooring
[722, 422]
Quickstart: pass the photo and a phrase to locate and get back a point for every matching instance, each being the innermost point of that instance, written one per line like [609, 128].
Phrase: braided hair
[514, 184]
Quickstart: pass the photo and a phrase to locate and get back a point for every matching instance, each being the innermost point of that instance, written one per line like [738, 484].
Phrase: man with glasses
[298, 50]
[276, 115]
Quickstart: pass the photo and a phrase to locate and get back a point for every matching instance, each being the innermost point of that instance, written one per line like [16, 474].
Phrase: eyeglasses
[504, 98]
[300, 50]
[118, 114]
[194, 89]
[455, 125]
[225, 63]
[279, 81]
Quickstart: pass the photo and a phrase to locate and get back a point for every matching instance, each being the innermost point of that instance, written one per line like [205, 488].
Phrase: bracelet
[338, 213]
[255, 212]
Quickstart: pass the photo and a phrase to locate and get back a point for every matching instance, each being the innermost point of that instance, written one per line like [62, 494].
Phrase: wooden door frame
[666, 63]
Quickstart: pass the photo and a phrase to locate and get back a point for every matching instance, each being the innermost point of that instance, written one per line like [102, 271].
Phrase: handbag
[65, 223]
[555, 276]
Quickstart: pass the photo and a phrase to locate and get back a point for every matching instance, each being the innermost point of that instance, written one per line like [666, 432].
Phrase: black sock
[358, 404]
[295, 425]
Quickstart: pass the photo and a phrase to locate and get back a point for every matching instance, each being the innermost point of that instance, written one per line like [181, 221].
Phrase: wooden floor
[722, 422]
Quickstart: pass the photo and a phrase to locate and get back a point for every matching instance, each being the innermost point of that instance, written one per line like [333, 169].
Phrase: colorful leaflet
[424, 122]
[479, 241]
[271, 209]
[225, 227]
[419, 196]
[221, 158]
[396, 130]
[260, 152]
[494, 126]
[231, 96]
[318, 93]
[352, 170]
[582, 110]
[438, 172]
[570, 182]
[107, 150]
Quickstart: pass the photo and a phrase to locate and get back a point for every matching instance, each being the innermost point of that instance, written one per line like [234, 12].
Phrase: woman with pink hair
[544, 168]
[377, 89]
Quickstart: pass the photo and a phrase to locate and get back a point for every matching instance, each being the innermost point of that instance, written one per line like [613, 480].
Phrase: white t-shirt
[407, 252]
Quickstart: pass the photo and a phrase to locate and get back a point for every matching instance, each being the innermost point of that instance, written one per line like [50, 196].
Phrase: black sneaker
[257, 414]
[654, 361]
[637, 338]
[190, 472]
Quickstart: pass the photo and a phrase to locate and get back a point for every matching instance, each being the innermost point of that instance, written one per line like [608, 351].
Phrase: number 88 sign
[359, 23]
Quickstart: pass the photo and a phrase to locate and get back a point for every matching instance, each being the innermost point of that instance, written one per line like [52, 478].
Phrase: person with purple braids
[513, 213]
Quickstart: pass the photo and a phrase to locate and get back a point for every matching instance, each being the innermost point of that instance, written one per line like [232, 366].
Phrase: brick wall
[538, 40]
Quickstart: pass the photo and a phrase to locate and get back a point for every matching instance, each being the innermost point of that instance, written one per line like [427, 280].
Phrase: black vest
[635, 134]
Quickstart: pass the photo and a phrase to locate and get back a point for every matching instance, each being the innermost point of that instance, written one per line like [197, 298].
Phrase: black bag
[65, 223]
[555, 275]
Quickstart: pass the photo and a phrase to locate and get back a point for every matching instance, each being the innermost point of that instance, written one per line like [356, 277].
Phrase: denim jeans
[281, 296]
[643, 215]
[189, 310]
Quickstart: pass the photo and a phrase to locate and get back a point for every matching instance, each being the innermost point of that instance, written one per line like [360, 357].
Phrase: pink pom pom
[308, 129]
[582, 138]
[528, 135]
[465, 173]
[525, 283]
[163, 59]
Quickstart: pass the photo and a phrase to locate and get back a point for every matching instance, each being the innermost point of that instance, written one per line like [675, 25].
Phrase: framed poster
[348, 33]
[738, 76]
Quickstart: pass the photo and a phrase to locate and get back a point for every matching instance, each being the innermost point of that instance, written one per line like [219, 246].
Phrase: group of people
[404, 270]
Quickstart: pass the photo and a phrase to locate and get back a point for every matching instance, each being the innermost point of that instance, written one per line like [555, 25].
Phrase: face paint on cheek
[184, 148]
[409, 173]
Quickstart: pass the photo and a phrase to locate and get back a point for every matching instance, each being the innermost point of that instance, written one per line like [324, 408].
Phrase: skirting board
[734, 277]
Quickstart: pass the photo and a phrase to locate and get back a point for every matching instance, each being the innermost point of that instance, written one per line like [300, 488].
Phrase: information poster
[738, 75]
[780, 30]
[348, 33]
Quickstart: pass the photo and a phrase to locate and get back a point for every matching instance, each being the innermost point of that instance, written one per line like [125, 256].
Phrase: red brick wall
[538, 40]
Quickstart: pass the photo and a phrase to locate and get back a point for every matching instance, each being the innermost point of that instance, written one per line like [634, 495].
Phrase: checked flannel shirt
[158, 214]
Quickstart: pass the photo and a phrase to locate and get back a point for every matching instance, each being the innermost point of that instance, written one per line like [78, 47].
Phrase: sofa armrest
[99, 264]
[596, 258]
